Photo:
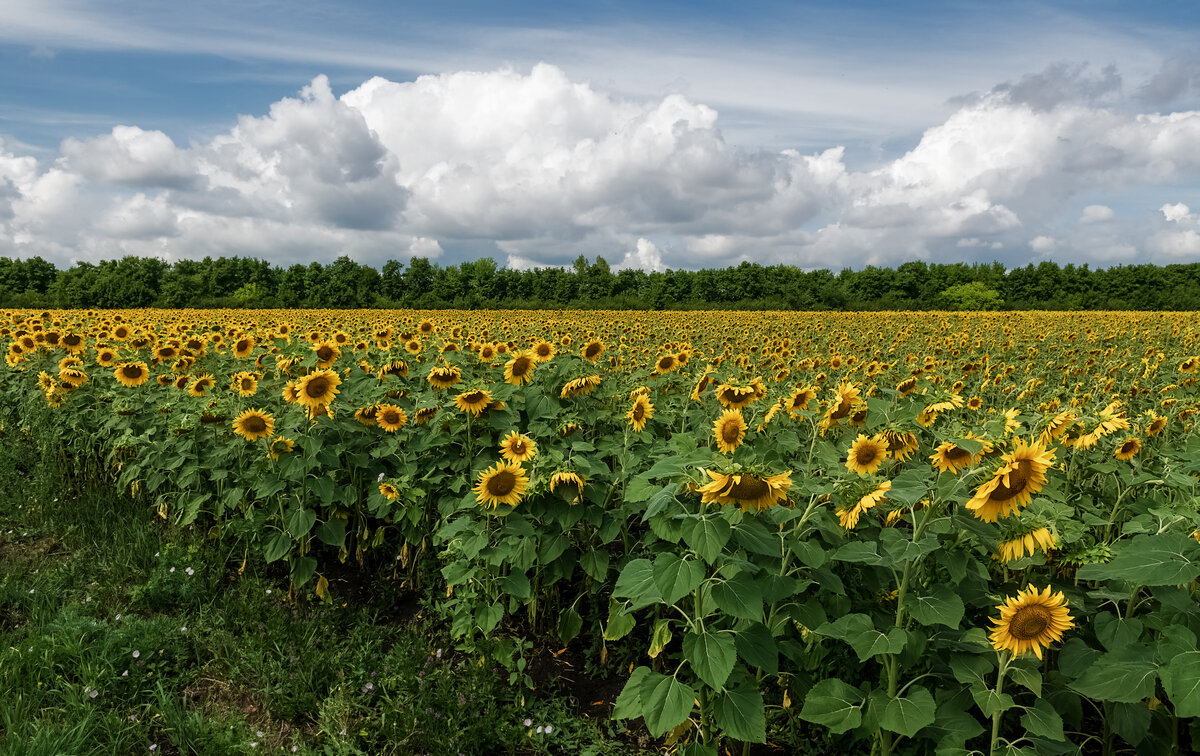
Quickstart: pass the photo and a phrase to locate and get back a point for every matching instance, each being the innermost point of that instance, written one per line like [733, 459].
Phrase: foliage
[788, 584]
[972, 296]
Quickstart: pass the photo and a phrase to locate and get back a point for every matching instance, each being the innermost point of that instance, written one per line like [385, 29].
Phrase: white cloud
[645, 256]
[548, 168]
[1096, 214]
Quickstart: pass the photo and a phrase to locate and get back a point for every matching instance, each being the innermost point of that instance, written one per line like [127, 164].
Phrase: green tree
[971, 296]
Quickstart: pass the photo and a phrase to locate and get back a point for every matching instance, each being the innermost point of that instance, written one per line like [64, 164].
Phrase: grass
[122, 634]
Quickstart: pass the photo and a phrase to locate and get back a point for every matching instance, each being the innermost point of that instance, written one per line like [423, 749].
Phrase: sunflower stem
[1005, 658]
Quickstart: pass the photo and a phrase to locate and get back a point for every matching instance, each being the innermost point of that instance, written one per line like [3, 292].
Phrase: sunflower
[578, 386]
[845, 399]
[954, 401]
[975, 403]
[571, 484]
[443, 376]
[246, 384]
[1015, 548]
[736, 397]
[254, 424]
[201, 385]
[747, 490]
[640, 413]
[317, 388]
[243, 347]
[519, 369]
[473, 402]
[106, 356]
[1022, 474]
[1129, 449]
[517, 447]
[389, 491]
[279, 445]
[543, 351]
[866, 455]
[799, 400]
[1156, 425]
[1031, 621]
[327, 353]
[412, 346]
[848, 517]
[46, 381]
[952, 458]
[666, 364]
[502, 483]
[132, 374]
[424, 415]
[426, 327]
[592, 350]
[390, 417]
[729, 430]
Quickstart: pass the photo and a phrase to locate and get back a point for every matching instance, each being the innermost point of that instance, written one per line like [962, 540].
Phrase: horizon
[659, 136]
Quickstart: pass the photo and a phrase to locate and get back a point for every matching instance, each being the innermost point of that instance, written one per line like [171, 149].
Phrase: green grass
[122, 634]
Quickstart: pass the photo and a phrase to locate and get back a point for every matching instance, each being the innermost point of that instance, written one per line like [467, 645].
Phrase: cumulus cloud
[545, 168]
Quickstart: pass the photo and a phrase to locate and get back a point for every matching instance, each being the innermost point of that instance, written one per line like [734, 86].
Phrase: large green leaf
[1181, 679]
[711, 655]
[1120, 677]
[1043, 720]
[859, 631]
[740, 713]
[834, 704]
[595, 563]
[739, 597]
[1162, 559]
[941, 606]
[910, 714]
[619, 623]
[675, 577]
[666, 704]
[279, 545]
[629, 702]
[707, 536]
[636, 583]
[757, 647]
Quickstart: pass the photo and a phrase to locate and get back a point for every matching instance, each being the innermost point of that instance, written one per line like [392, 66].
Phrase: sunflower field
[890, 533]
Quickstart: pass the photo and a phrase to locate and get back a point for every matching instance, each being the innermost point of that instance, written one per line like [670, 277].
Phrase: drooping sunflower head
[1156, 425]
[749, 490]
[443, 376]
[799, 399]
[592, 350]
[254, 424]
[1031, 621]
[502, 483]
[132, 374]
[317, 388]
[866, 455]
[390, 417]
[734, 397]
[950, 457]
[568, 485]
[473, 402]
[848, 516]
[729, 430]
[389, 492]
[201, 385]
[424, 415]
[517, 447]
[327, 353]
[1012, 549]
[1128, 449]
[640, 413]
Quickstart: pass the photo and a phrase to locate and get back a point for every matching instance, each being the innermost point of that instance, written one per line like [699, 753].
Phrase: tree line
[423, 284]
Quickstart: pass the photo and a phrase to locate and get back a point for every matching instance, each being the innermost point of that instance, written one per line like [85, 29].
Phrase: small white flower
[125, 673]
[154, 746]
[539, 730]
[172, 569]
[93, 694]
[155, 554]
[136, 654]
[183, 629]
[268, 591]
[380, 478]
[549, 729]
[190, 571]
[528, 722]
[118, 618]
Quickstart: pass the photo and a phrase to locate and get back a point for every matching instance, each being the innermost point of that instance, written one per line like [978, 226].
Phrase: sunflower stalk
[1005, 659]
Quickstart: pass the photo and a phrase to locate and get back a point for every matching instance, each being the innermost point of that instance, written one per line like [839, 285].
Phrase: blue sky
[814, 134]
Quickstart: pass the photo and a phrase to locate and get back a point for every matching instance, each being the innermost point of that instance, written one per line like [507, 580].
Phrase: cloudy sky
[656, 134]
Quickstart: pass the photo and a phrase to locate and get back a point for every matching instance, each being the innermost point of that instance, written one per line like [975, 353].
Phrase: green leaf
[636, 583]
[971, 670]
[324, 488]
[303, 569]
[739, 597]
[668, 703]
[595, 564]
[707, 536]
[1117, 633]
[619, 623]
[629, 701]
[740, 713]
[1181, 679]
[859, 631]
[941, 607]
[332, 533]
[990, 702]
[757, 648]
[1043, 720]
[675, 577]
[640, 489]
[300, 521]
[910, 486]
[1027, 677]
[834, 704]
[1163, 559]
[569, 625]
[279, 545]
[516, 584]
[809, 553]
[711, 655]
[1130, 720]
[488, 616]
[859, 551]
[1113, 678]
[910, 714]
